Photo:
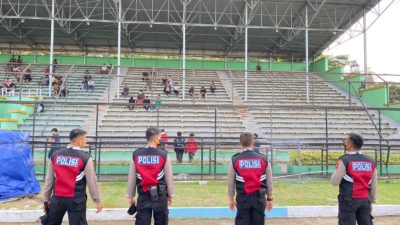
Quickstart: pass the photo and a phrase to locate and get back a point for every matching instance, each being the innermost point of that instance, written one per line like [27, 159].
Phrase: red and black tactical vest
[359, 171]
[250, 169]
[69, 171]
[149, 164]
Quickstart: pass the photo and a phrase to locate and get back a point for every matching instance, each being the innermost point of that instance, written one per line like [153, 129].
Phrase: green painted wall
[334, 74]
[162, 63]
[395, 115]
[321, 65]
[375, 97]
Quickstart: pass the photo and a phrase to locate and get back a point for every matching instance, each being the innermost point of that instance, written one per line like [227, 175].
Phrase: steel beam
[51, 47]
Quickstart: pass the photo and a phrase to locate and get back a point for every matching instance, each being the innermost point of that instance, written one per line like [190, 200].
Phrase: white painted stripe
[80, 176]
[138, 176]
[348, 178]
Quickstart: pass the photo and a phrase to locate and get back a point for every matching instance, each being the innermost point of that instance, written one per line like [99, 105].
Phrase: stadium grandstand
[263, 57]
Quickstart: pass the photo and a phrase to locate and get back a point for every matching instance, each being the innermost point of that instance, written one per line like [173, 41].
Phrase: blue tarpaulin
[17, 175]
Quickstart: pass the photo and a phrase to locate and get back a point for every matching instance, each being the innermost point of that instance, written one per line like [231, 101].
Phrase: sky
[383, 43]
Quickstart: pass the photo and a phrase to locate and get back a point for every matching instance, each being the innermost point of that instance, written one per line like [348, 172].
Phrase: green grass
[214, 193]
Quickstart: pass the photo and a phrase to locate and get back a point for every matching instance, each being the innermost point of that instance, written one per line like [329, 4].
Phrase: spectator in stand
[258, 68]
[177, 89]
[145, 76]
[87, 75]
[191, 92]
[54, 141]
[157, 103]
[125, 91]
[55, 63]
[27, 76]
[44, 81]
[12, 60]
[140, 98]
[149, 84]
[191, 147]
[256, 145]
[16, 71]
[167, 89]
[90, 85]
[146, 103]
[179, 147]
[84, 84]
[212, 87]
[103, 69]
[19, 60]
[203, 93]
[164, 81]
[131, 103]
[64, 90]
[109, 67]
[47, 71]
[164, 139]
[56, 87]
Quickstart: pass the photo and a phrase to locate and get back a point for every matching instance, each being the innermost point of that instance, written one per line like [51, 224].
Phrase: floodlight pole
[306, 52]
[365, 45]
[184, 50]
[183, 59]
[119, 45]
[245, 53]
[51, 47]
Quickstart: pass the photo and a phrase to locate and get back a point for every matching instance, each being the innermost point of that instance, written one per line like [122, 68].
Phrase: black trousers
[355, 210]
[76, 208]
[250, 210]
[179, 155]
[147, 208]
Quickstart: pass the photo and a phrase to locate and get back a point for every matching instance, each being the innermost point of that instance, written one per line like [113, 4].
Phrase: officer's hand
[99, 207]
[169, 201]
[269, 206]
[232, 205]
[132, 201]
[46, 206]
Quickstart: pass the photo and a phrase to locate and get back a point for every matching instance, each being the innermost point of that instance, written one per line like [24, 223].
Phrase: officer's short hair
[357, 140]
[54, 130]
[76, 133]
[151, 132]
[246, 139]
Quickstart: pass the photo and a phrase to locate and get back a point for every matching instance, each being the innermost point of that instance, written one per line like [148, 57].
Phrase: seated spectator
[12, 60]
[19, 60]
[90, 85]
[164, 81]
[47, 71]
[258, 68]
[203, 93]
[84, 84]
[27, 76]
[131, 103]
[191, 147]
[177, 89]
[87, 75]
[140, 97]
[17, 72]
[104, 69]
[125, 91]
[191, 92]
[145, 76]
[64, 90]
[146, 103]
[109, 68]
[44, 81]
[212, 87]
[167, 90]
[149, 84]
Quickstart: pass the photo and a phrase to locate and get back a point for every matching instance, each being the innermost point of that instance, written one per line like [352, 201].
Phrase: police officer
[357, 179]
[69, 170]
[151, 173]
[250, 175]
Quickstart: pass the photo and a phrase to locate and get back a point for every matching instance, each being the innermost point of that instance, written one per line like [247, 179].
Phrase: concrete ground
[287, 221]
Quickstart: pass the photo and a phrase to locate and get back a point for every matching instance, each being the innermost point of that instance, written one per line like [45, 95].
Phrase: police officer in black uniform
[250, 175]
[357, 179]
[151, 173]
[69, 171]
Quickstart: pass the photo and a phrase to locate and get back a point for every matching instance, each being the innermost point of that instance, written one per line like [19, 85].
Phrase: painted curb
[201, 213]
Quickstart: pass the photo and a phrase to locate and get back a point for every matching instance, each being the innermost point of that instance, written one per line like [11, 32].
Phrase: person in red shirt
[164, 139]
[191, 146]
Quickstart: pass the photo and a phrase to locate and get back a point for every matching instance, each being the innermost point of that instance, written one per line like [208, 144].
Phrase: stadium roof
[275, 26]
